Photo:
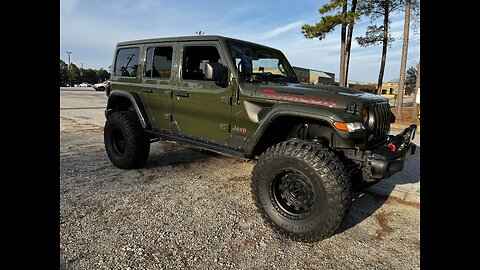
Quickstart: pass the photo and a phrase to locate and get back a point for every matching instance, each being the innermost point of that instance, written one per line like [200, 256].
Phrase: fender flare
[134, 99]
[272, 117]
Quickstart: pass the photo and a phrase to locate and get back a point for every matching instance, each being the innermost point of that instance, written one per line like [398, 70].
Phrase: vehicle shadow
[366, 202]
[171, 154]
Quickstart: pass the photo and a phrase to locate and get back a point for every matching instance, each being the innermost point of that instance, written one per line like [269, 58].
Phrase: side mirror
[215, 72]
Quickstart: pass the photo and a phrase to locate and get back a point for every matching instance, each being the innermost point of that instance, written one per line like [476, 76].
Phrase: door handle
[182, 94]
[147, 90]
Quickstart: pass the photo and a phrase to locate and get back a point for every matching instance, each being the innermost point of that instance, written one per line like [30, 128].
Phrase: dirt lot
[188, 208]
[406, 119]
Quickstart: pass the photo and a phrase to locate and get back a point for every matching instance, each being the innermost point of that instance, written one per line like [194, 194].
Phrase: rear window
[159, 62]
[126, 63]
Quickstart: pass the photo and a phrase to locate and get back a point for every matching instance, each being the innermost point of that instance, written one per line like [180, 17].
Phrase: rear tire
[126, 143]
[302, 190]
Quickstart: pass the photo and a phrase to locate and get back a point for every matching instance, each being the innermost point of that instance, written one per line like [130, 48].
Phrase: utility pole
[69, 68]
[82, 64]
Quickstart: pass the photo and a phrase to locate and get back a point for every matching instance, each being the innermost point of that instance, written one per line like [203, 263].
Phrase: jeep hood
[326, 95]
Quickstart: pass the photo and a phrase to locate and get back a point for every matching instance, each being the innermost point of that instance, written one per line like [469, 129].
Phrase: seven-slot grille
[381, 112]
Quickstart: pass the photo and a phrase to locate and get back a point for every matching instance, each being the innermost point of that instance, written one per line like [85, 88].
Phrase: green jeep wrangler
[311, 143]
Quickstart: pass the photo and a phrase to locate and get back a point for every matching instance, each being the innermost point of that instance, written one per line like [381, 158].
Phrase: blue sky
[91, 29]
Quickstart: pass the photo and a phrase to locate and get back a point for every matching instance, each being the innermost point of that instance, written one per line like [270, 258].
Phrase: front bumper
[389, 158]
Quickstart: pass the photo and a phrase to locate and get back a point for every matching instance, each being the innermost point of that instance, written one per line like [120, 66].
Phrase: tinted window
[127, 62]
[159, 62]
[194, 60]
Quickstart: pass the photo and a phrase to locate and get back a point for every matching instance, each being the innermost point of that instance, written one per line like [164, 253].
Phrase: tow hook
[392, 147]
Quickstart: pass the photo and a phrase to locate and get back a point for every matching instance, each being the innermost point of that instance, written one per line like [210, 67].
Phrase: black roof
[184, 38]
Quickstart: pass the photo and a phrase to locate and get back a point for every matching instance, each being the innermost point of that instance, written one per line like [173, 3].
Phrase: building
[312, 76]
[390, 87]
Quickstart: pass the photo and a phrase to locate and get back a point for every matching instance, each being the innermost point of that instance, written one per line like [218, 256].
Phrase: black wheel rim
[118, 141]
[293, 193]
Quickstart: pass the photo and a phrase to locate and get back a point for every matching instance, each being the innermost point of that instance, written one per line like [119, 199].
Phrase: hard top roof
[185, 38]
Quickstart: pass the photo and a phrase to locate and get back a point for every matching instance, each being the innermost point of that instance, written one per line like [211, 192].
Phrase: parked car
[311, 143]
[84, 84]
[101, 86]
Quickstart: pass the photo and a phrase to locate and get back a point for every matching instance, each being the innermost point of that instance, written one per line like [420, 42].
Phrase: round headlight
[368, 120]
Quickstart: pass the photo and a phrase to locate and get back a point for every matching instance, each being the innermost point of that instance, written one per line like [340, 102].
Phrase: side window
[126, 63]
[194, 60]
[159, 62]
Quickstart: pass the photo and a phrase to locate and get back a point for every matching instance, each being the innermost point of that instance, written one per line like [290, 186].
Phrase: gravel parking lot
[188, 208]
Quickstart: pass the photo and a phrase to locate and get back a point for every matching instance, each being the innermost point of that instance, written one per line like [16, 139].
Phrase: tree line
[346, 13]
[78, 75]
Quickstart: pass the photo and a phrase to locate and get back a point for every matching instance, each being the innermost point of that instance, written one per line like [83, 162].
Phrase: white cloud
[280, 30]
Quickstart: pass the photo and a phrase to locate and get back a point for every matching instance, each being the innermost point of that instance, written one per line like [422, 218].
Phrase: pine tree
[328, 23]
[378, 34]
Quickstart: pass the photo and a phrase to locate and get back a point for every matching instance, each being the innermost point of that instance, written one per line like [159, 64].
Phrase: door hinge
[226, 100]
[225, 127]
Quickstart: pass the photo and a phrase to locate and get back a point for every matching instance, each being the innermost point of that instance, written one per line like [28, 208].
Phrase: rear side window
[194, 60]
[159, 62]
[126, 63]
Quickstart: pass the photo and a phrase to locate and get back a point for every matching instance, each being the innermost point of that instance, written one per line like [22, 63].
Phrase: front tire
[302, 190]
[126, 143]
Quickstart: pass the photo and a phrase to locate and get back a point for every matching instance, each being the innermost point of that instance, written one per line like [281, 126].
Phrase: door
[201, 108]
[157, 88]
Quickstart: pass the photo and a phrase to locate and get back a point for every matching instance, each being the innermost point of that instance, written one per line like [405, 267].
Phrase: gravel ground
[188, 208]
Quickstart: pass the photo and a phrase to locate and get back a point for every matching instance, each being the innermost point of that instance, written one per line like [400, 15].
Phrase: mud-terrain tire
[302, 190]
[126, 143]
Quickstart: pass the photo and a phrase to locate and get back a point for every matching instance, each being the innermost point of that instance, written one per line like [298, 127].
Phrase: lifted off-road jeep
[311, 142]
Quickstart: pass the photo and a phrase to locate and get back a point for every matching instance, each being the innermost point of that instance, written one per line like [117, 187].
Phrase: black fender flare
[134, 100]
[272, 117]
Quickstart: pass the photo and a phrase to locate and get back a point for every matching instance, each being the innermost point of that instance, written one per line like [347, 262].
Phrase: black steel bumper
[389, 158]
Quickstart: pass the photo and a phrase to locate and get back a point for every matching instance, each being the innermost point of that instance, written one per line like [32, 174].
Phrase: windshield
[256, 63]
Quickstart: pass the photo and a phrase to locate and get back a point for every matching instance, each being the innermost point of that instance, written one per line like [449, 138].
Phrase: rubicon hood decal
[318, 100]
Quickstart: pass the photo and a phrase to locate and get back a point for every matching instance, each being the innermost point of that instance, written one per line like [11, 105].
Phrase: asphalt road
[185, 210]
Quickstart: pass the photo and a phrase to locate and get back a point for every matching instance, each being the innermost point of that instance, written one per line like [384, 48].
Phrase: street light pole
[69, 68]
